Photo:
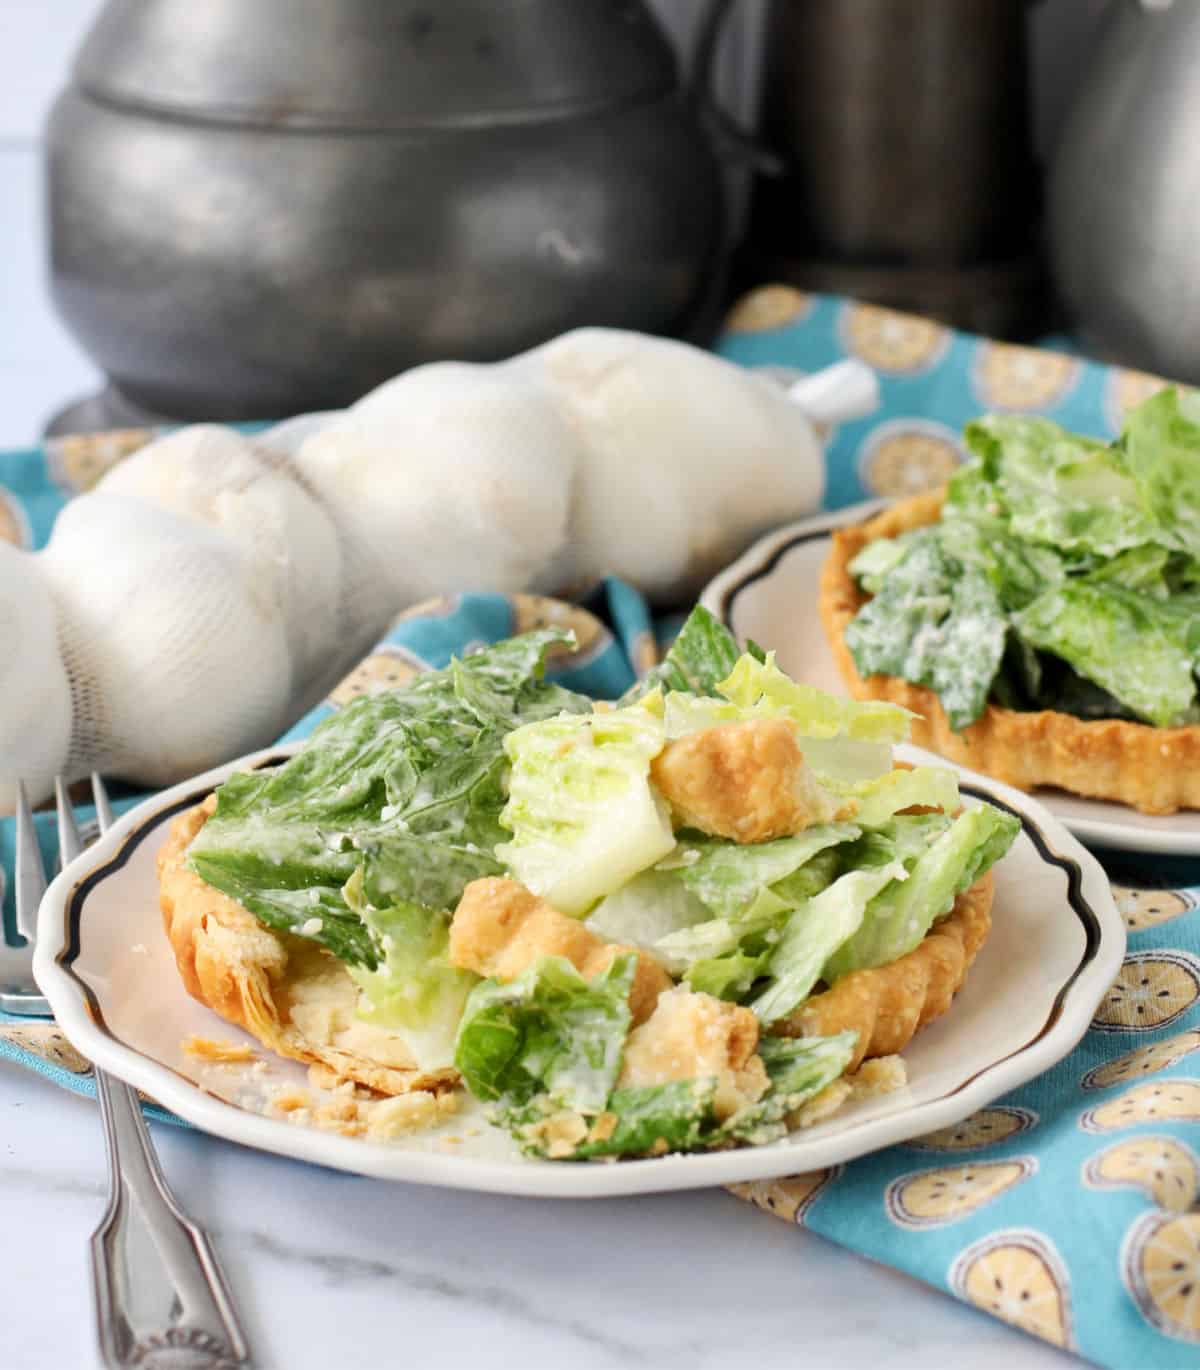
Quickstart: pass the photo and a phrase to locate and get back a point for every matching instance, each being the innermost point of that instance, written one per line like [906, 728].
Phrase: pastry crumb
[321, 1077]
[821, 1106]
[290, 1099]
[603, 1128]
[221, 1053]
[388, 1119]
[882, 1075]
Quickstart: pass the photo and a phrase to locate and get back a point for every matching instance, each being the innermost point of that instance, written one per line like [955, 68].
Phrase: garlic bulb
[176, 658]
[35, 698]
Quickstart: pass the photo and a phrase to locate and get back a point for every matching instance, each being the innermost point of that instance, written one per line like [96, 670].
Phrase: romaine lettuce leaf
[1056, 488]
[899, 915]
[1140, 568]
[762, 686]
[548, 1032]
[937, 623]
[871, 566]
[1138, 649]
[703, 653]
[1161, 441]
[677, 1116]
[811, 935]
[726, 876]
[749, 888]
[799, 1068]
[415, 991]
[583, 815]
[934, 787]
[731, 976]
[648, 908]
[407, 784]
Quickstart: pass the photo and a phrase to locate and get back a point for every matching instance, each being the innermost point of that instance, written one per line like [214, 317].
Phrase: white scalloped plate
[770, 594]
[105, 966]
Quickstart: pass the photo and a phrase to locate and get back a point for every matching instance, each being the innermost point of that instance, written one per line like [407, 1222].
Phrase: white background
[40, 365]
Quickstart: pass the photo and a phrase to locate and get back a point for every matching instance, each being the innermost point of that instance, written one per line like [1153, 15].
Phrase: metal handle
[733, 139]
[161, 1299]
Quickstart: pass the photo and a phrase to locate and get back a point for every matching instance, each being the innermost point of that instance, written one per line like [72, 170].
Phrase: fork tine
[104, 813]
[30, 871]
[70, 843]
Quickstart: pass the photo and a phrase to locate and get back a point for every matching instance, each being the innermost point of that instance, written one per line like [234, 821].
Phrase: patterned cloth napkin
[1068, 1208]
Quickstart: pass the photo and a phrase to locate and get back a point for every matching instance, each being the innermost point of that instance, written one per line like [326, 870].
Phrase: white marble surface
[335, 1271]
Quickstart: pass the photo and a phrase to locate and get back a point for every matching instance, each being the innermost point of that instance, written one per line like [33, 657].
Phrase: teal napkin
[1069, 1207]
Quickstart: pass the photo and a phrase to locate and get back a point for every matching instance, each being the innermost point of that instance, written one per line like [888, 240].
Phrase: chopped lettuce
[935, 622]
[899, 915]
[549, 1032]
[1131, 645]
[799, 1069]
[1161, 444]
[727, 877]
[584, 816]
[415, 991]
[406, 784]
[676, 1116]
[933, 787]
[762, 686]
[702, 654]
[1091, 552]
[811, 935]
[648, 908]
[749, 888]
[731, 976]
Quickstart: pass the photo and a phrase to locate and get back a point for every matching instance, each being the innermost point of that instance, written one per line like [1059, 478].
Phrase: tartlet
[1154, 770]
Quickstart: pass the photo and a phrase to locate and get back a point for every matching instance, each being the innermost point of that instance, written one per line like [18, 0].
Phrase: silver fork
[161, 1299]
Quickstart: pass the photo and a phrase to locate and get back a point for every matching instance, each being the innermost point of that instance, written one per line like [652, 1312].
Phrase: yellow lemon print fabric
[1154, 988]
[1020, 378]
[531, 612]
[932, 1198]
[1162, 1167]
[791, 1197]
[986, 1128]
[1155, 1101]
[1019, 1277]
[386, 668]
[1147, 908]
[892, 342]
[1125, 389]
[767, 308]
[1146, 1060]
[907, 456]
[47, 1041]
[1161, 1268]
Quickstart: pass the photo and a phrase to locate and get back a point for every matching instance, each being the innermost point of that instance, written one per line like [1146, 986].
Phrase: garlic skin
[35, 697]
[450, 477]
[218, 477]
[689, 458]
[175, 657]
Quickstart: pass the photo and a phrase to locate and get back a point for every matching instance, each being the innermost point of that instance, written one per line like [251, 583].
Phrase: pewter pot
[257, 209]
[1124, 193]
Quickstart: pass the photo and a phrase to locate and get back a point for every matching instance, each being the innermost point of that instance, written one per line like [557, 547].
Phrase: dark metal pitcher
[257, 209]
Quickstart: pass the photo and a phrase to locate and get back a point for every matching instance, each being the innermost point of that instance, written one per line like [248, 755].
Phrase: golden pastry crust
[1155, 770]
[288, 992]
[888, 1005]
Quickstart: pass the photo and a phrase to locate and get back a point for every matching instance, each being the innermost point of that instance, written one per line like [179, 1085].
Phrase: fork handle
[179, 1305]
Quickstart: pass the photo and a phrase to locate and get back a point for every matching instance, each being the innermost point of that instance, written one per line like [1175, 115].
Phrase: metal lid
[374, 63]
